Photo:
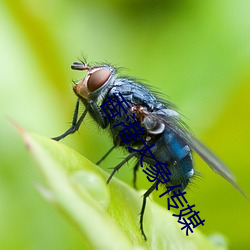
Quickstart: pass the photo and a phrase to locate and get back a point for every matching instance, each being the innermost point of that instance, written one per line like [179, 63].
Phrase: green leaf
[106, 216]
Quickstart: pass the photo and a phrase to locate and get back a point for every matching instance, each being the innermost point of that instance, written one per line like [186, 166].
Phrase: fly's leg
[75, 124]
[92, 108]
[145, 196]
[105, 155]
[100, 118]
[120, 165]
[136, 166]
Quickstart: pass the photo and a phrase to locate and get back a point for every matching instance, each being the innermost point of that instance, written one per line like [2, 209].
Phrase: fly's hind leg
[145, 196]
[135, 169]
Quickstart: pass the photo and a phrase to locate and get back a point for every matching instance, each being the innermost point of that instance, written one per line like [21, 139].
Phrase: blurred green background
[195, 52]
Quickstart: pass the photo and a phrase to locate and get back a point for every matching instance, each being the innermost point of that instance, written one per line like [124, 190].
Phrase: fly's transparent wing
[208, 156]
[175, 124]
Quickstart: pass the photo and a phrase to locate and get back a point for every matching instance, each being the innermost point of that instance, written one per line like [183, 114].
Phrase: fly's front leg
[98, 114]
[75, 124]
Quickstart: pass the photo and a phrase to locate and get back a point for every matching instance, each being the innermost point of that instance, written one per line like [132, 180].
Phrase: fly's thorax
[95, 84]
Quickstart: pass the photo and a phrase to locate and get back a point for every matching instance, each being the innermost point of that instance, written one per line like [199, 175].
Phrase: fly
[173, 143]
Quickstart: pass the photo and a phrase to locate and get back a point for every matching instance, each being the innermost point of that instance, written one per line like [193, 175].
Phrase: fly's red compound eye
[97, 79]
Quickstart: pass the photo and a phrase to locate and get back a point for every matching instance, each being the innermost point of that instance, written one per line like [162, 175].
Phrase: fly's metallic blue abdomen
[177, 154]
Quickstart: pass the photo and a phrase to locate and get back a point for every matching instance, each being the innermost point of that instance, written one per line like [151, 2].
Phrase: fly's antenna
[80, 66]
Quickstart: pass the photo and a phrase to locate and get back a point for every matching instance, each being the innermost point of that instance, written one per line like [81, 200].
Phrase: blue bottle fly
[163, 128]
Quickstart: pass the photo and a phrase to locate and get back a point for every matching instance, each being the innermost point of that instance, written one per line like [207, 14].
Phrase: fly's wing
[212, 160]
[174, 123]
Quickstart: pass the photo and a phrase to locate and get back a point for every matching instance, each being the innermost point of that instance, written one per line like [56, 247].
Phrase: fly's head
[93, 84]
